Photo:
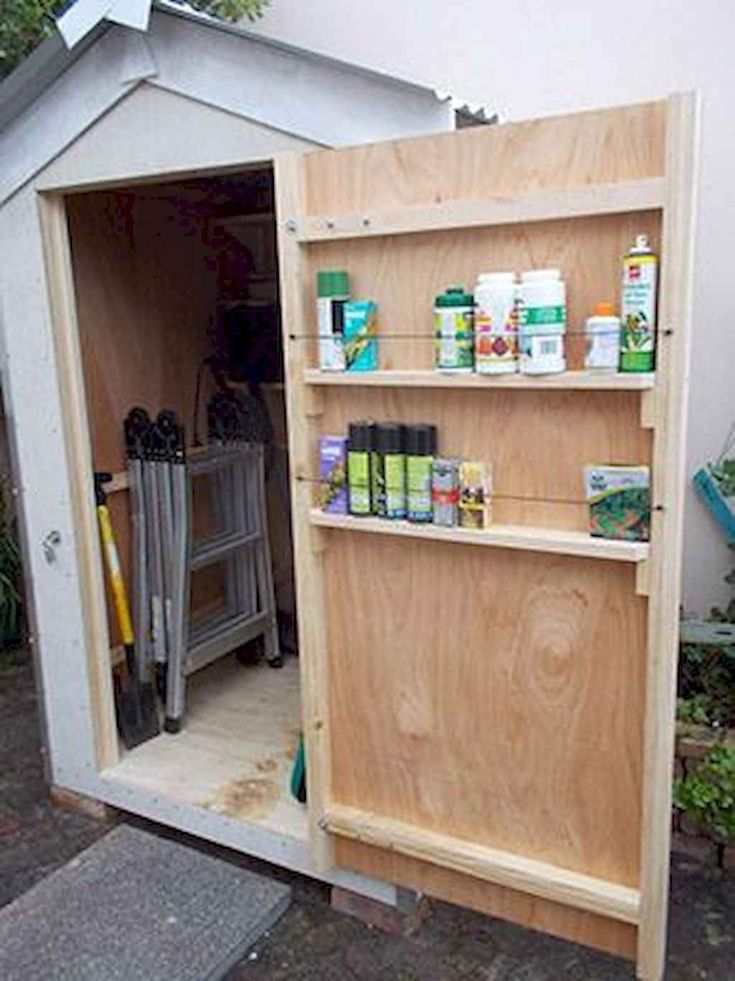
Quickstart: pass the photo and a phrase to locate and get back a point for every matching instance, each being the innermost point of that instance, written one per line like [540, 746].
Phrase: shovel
[135, 700]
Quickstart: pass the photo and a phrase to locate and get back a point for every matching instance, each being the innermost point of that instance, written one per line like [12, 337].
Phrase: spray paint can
[445, 491]
[391, 470]
[420, 441]
[359, 445]
[638, 307]
[332, 291]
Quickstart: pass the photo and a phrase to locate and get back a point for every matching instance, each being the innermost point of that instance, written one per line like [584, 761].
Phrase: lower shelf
[555, 541]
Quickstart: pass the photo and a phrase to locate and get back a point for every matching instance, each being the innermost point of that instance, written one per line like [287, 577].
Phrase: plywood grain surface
[493, 697]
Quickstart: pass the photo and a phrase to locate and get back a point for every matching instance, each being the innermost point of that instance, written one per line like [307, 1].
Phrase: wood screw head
[330, 223]
[290, 226]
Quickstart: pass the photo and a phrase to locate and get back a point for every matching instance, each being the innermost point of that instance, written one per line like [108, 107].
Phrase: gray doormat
[136, 907]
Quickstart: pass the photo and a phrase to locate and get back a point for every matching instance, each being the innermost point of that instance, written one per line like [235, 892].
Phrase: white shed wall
[532, 58]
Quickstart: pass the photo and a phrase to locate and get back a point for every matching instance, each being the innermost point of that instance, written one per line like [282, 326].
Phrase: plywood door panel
[497, 697]
[625, 143]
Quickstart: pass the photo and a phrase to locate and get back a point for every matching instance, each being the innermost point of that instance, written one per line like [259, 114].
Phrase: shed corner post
[669, 431]
[302, 417]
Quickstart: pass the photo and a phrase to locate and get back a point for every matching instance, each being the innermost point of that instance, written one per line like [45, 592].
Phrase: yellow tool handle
[116, 580]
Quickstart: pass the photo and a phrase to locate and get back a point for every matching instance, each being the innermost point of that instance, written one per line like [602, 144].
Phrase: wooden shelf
[537, 204]
[529, 539]
[574, 380]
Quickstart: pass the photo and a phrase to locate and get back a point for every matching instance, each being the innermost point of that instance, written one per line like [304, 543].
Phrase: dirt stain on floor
[245, 797]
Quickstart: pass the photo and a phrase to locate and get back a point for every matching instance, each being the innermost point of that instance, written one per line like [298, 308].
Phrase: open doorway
[177, 301]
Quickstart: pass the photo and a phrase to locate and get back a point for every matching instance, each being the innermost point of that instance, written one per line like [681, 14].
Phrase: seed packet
[620, 502]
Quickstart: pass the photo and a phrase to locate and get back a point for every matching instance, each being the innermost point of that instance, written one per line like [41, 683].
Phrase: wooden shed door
[475, 703]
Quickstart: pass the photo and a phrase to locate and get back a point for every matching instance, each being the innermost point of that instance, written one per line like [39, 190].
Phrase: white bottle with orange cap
[603, 339]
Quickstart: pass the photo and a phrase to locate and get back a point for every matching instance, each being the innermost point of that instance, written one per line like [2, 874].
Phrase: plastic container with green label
[453, 331]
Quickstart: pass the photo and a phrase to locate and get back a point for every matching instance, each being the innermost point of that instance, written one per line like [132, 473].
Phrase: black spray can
[359, 481]
[391, 478]
[420, 451]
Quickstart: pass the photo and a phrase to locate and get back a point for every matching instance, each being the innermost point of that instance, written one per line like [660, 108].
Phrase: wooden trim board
[664, 578]
[288, 171]
[74, 407]
[504, 869]
[536, 205]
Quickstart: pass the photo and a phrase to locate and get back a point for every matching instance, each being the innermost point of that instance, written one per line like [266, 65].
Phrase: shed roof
[51, 58]
[57, 94]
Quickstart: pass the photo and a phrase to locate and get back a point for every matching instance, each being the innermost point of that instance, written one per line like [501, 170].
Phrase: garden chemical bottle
[638, 307]
[496, 324]
[542, 307]
[445, 491]
[453, 331]
[375, 474]
[420, 451]
[332, 292]
[359, 443]
[602, 332]
[392, 471]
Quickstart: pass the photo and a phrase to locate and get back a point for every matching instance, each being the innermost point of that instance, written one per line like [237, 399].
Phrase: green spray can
[359, 489]
[420, 450]
[391, 471]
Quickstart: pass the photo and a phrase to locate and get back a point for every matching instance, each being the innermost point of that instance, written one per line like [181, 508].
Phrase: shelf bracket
[313, 402]
[648, 408]
[643, 578]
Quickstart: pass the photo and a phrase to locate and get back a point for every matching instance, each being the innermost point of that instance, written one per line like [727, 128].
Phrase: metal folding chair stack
[163, 485]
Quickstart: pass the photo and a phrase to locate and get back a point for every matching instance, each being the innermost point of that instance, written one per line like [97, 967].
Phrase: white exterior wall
[532, 57]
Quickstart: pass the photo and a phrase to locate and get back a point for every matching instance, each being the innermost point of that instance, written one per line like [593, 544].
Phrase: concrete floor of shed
[312, 941]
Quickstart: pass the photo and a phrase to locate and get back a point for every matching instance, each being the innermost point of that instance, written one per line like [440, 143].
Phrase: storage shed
[488, 714]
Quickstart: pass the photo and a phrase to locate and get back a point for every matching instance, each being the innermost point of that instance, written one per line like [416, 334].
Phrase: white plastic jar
[542, 303]
[496, 324]
[603, 339]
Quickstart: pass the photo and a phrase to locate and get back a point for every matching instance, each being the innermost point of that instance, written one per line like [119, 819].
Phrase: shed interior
[176, 289]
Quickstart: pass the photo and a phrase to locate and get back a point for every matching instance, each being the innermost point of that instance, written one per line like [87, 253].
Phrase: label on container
[532, 315]
[418, 488]
[453, 342]
[394, 485]
[542, 353]
[445, 491]
[496, 336]
[638, 313]
[332, 474]
[603, 346]
[358, 481]
[330, 319]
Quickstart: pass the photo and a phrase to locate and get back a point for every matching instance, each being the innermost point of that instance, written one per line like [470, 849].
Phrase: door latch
[49, 544]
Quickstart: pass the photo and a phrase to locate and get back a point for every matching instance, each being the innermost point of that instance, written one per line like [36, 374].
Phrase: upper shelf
[579, 380]
[539, 204]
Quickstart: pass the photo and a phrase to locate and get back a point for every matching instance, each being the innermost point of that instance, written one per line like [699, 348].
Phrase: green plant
[25, 23]
[706, 682]
[707, 796]
[11, 599]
